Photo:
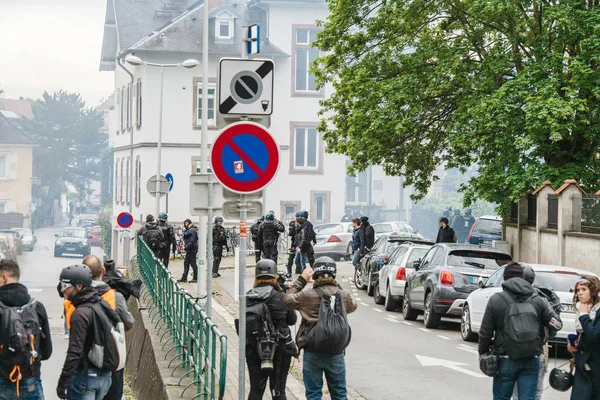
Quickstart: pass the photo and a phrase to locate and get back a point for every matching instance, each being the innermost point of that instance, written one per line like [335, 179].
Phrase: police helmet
[266, 268]
[77, 273]
[528, 272]
[560, 379]
[303, 214]
[270, 217]
[163, 216]
[324, 266]
[218, 219]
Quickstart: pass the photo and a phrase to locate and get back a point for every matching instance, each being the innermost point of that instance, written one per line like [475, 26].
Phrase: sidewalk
[225, 310]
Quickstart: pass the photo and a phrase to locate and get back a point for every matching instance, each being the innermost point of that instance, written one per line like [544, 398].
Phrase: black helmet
[528, 272]
[324, 266]
[561, 380]
[77, 273]
[266, 269]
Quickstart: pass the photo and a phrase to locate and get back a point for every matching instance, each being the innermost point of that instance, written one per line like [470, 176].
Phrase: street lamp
[136, 62]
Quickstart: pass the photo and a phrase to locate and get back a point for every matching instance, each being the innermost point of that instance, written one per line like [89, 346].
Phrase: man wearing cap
[307, 301]
[522, 370]
[79, 379]
[369, 233]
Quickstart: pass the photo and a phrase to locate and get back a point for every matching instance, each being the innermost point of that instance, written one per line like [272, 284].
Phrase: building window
[289, 210]
[357, 187]
[3, 166]
[320, 206]
[224, 25]
[212, 100]
[303, 55]
[123, 116]
[121, 181]
[197, 165]
[128, 105]
[127, 183]
[306, 149]
[118, 106]
[116, 181]
[138, 104]
[138, 178]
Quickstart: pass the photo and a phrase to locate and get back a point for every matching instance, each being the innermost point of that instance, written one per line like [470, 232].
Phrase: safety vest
[109, 297]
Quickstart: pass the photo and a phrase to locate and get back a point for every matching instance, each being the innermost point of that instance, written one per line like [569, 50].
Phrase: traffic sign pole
[209, 254]
[242, 307]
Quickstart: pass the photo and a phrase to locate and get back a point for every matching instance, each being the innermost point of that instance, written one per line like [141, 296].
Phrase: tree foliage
[512, 86]
[69, 141]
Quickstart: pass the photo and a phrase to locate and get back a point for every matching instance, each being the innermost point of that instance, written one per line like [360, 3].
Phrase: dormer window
[225, 24]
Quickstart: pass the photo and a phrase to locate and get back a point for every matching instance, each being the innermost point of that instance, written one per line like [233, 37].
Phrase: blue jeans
[29, 389]
[94, 386]
[540, 384]
[334, 368]
[356, 259]
[522, 372]
[301, 259]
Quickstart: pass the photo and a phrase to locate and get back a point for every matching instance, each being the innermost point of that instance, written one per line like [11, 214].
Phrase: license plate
[473, 279]
[70, 249]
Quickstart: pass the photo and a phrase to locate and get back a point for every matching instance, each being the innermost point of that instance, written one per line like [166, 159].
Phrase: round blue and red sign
[125, 220]
[245, 157]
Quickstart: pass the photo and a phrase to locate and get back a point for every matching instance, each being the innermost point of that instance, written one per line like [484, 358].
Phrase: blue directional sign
[169, 178]
[253, 39]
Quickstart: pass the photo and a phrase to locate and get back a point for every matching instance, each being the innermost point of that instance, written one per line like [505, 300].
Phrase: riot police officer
[219, 240]
[168, 241]
[268, 232]
[256, 238]
[311, 235]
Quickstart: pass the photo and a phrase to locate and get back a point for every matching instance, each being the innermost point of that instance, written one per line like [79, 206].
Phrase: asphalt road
[393, 359]
[39, 272]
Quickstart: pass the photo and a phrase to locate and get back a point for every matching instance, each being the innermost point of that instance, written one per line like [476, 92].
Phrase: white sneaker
[66, 335]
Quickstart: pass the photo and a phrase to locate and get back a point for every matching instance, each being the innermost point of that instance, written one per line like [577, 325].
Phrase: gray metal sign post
[242, 303]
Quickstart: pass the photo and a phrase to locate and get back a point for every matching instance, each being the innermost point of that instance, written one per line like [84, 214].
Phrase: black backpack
[152, 239]
[521, 332]
[258, 321]
[108, 351]
[331, 334]
[20, 335]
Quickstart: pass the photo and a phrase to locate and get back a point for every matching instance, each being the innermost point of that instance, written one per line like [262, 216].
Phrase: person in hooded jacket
[255, 238]
[168, 241]
[269, 235]
[190, 239]
[445, 234]
[312, 236]
[150, 233]
[369, 233]
[292, 252]
[358, 242]
[116, 280]
[15, 294]
[302, 244]
[523, 372]
[586, 382]
[266, 289]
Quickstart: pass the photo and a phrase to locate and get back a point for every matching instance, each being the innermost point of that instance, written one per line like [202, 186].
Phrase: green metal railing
[196, 344]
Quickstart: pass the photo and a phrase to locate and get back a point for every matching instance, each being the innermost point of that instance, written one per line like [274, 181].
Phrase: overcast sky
[51, 45]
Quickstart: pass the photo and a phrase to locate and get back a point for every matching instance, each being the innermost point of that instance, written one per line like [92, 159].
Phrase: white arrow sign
[453, 365]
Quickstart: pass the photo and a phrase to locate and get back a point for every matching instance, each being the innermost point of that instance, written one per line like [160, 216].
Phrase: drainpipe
[126, 242]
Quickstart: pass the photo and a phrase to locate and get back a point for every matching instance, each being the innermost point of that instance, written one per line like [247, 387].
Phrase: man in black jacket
[269, 233]
[522, 370]
[14, 294]
[190, 240]
[255, 238]
[219, 240]
[79, 379]
[445, 234]
[312, 236]
[168, 241]
[369, 233]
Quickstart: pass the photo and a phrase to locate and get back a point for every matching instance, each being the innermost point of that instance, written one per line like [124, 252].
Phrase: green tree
[512, 86]
[69, 142]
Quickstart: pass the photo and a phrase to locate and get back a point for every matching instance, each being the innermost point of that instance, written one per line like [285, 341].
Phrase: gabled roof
[543, 185]
[11, 134]
[568, 183]
[21, 107]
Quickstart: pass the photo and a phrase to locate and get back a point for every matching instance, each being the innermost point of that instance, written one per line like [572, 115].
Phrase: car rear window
[480, 259]
[488, 227]
[559, 282]
[382, 228]
[328, 229]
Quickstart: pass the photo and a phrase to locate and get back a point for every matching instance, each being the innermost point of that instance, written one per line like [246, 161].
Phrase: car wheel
[465, 326]
[431, 318]
[377, 298]
[409, 313]
[389, 303]
[359, 279]
[370, 285]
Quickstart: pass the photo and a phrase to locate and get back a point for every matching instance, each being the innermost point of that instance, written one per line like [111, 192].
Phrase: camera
[283, 281]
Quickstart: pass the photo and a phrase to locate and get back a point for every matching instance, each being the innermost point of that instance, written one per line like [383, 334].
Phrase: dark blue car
[485, 229]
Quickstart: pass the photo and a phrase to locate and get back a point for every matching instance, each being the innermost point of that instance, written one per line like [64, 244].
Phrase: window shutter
[116, 181]
[129, 89]
[139, 180]
[118, 108]
[127, 183]
[121, 183]
[12, 167]
[138, 108]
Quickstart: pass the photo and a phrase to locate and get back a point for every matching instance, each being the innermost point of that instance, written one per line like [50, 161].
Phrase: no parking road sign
[125, 220]
[245, 157]
[245, 86]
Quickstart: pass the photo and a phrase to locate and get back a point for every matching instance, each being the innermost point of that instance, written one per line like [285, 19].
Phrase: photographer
[269, 345]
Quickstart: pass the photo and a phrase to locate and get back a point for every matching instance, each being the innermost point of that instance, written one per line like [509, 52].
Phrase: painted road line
[453, 365]
[424, 330]
[392, 320]
[407, 323]
[443, 337]
[376, 309]
[468, 350]
[47, 247]
[364, 304]
[393, 316]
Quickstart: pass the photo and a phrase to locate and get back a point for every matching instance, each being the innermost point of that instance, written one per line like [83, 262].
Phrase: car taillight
[401, 274]
[471, 231]
[446, 277]
[394, 234]
[333, 239]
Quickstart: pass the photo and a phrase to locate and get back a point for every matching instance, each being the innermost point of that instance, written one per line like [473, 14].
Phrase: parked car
[445, 277]
[560, 279]
[28, 239]
[87, 221]
[95, 237]
[72, 241]
[485, 230]
[16, 238]
[389, 288]
[396, 228]
[334, 240]
[367, 273]
[8, 246]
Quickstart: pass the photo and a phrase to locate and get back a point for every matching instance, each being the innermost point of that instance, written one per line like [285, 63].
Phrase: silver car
[27, 238]
[389, 289]
[395, 228]
[560, 279]
[334, 240]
